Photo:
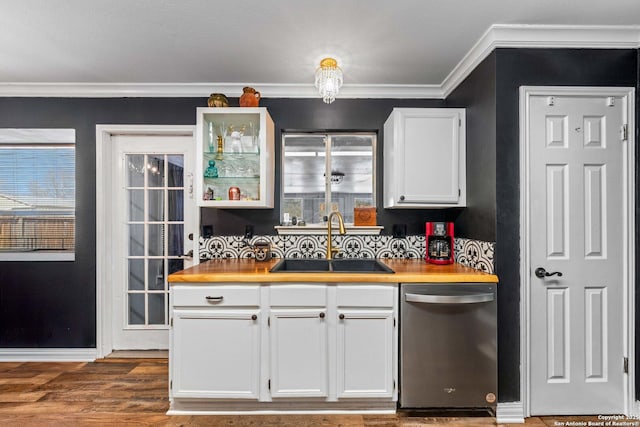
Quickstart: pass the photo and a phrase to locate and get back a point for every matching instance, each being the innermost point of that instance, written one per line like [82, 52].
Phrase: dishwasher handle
[471, 298]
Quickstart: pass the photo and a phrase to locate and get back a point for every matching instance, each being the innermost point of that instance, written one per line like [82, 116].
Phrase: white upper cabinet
[424, 158]
[235, 165]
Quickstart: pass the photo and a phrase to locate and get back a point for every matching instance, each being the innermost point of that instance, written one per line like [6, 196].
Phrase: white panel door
[576, 226]
[365, 353]
[299, 354]
[153, 213]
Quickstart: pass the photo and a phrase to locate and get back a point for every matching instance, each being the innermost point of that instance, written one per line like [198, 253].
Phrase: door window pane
[175, 175]
[136, 205]
[136, 274]
[155, 171]
[156, 239]
[156, 274]
[136, 309]
[156, 205]
[135, 170]
[136, 239]
[157, 310]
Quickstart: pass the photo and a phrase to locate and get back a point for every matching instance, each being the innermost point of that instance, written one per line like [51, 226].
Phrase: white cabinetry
[298, 353]
[283, 347]
[217, 332]
[424, 158]
[235, 148]
[365, 339]
[298, 340]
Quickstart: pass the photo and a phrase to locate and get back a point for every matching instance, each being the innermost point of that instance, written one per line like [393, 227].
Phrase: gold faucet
[330, 249]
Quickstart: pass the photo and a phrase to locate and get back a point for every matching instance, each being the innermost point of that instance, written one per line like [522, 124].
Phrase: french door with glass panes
[154, 213]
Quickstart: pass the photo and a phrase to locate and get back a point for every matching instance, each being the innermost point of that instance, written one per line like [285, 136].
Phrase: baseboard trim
[510, 413]
[47, 354]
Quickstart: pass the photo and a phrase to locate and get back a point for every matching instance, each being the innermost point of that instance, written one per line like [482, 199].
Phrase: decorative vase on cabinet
[240, 142]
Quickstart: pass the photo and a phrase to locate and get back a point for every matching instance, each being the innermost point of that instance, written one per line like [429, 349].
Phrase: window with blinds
[37, 194]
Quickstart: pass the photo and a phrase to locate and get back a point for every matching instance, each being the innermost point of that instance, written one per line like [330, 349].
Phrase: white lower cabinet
[298, 342]
[366, 341]
[219, 354]
[365, 364]
[283, 347]
[215, 342]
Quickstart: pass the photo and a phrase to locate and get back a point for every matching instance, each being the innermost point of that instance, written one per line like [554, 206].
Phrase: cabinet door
[216, 353]
[299, 354]
[426, 158]
[365, 353]
[235, 148]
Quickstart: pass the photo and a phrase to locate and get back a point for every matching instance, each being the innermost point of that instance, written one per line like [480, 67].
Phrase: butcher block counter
[251, 271]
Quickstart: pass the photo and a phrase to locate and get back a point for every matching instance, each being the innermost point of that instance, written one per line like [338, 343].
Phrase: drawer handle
[254, 317]
[322, 315]
[341, 316]
[214, 299]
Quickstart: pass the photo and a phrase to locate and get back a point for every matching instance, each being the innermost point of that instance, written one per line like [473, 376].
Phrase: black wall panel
[533, 67]
[478, 95]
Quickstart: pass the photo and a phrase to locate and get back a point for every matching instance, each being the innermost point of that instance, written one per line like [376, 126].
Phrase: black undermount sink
[339, 265]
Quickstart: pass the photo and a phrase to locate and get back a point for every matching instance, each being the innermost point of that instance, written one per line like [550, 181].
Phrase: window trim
[54, 137]
[311, 227]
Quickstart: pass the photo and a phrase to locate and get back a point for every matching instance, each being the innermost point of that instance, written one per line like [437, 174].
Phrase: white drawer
[298, 295]
[366, 295]
[215, 296]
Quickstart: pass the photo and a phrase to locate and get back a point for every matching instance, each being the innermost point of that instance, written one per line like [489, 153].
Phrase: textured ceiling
[377, 42]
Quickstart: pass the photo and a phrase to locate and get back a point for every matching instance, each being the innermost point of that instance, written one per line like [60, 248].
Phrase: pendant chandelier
[328, 79]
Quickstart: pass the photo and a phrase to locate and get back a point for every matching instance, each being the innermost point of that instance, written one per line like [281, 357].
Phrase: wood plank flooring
[133, 392]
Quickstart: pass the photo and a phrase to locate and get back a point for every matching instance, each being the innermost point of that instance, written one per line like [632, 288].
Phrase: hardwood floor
[133, 392]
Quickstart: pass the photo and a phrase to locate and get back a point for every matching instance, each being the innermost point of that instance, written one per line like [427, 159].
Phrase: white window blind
[37, 194]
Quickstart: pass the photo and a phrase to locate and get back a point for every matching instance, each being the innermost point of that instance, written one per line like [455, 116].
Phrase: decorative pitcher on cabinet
[250, 97]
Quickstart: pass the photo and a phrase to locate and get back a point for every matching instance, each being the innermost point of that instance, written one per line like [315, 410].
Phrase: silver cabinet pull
[214, 299]
[450, 299]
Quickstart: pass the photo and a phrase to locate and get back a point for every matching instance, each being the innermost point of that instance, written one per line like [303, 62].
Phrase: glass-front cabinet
[235, 166]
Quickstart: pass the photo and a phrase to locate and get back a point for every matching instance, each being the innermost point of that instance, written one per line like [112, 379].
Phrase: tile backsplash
[472, 253]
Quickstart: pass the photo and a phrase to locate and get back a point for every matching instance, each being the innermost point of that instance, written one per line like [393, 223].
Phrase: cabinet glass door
[235, 165]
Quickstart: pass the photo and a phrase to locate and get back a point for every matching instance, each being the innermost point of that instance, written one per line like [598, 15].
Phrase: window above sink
[325, 172]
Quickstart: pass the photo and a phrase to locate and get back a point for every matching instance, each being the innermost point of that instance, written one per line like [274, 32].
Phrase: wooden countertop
[250, 271]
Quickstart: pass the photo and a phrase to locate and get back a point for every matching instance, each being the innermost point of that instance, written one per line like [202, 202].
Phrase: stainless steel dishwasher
[448, 344]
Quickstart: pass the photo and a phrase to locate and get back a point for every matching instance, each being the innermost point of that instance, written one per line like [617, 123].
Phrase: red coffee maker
[439, 243]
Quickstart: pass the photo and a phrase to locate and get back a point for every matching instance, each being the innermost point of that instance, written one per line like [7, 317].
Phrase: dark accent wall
[478, 95]
[53, 304]
[533, 67]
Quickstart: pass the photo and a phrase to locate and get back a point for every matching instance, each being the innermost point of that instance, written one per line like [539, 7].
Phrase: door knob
[542, 273]
[188, 254]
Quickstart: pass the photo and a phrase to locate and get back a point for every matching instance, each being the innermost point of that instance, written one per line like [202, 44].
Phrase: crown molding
[497, 36]
[540, 36]
[202, 90]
